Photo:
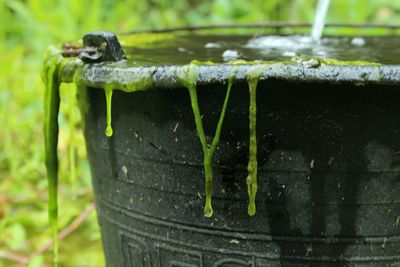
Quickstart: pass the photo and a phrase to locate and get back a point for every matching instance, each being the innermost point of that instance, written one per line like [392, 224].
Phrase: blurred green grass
[27, 28]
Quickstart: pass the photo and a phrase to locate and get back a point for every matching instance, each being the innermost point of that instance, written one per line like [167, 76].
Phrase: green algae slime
[51, 78]
[253, 76]
[189, 76]
[108, 92]
[53, 67]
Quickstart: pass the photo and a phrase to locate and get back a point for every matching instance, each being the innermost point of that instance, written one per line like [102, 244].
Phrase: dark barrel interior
[329, 177]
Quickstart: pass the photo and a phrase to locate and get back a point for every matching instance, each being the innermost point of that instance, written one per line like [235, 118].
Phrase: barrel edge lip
[99, 75]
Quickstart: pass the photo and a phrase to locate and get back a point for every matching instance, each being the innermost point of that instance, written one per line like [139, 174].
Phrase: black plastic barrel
[329, 179]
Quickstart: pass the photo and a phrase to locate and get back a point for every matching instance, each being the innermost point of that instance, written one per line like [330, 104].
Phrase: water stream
[319, 20]
[295, 44]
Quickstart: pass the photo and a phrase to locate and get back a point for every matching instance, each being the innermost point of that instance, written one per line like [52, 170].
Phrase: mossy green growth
[253, 76]
[330, 61]
[141, 80]
[188, 76]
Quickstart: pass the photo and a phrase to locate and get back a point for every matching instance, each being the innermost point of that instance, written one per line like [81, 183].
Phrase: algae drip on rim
[189, 76]
[145, 65]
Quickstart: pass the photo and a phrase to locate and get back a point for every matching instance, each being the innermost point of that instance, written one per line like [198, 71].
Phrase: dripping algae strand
[253, 76]
[52, 82]
[108, 93]
[189, 78]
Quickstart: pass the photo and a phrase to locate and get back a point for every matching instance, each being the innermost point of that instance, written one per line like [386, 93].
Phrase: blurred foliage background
[27, 28]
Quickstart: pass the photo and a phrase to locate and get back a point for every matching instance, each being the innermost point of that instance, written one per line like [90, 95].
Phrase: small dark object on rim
[97, 47]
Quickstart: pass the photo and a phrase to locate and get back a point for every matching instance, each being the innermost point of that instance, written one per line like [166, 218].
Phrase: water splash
[319, 21]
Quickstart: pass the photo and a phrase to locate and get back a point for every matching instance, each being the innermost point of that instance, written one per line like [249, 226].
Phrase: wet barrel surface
[327, 188]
